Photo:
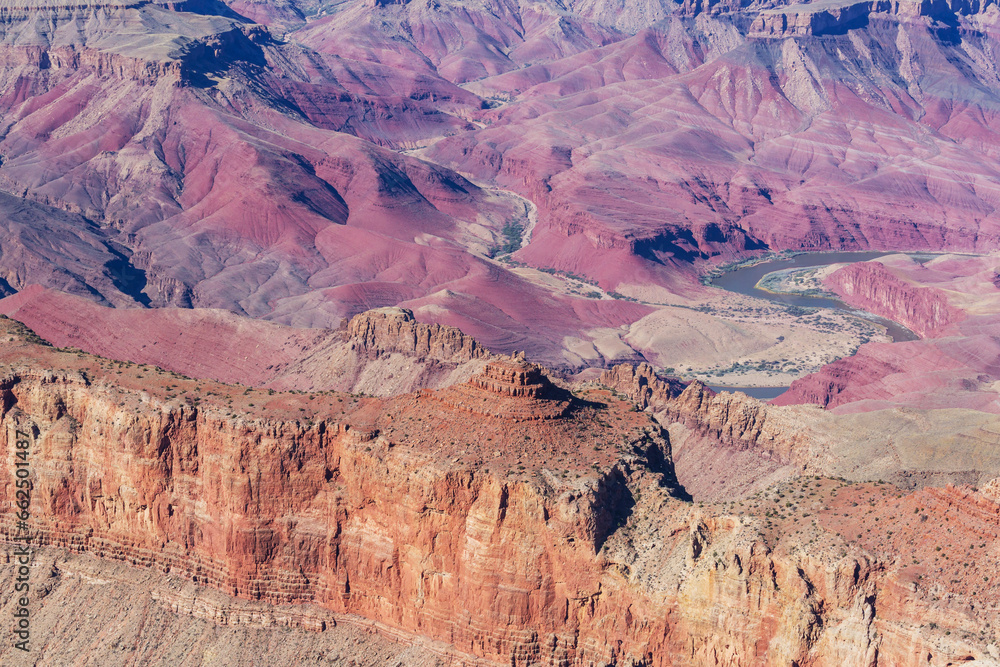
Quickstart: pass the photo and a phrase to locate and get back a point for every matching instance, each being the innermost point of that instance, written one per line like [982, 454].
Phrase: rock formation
[87, 597]
[729, 445]
[812, 19]
[733, 420]
[389, 330]
[381, 352]
[513, 379]
[872, 287]
[510, 389]
[556, 540]
[837, 17]
[540, 175]
[641, 384]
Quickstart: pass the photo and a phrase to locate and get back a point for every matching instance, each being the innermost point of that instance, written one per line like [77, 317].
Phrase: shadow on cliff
[129, 279]
[614, 501]
[206, 61]
[613, 505]
[679, 244]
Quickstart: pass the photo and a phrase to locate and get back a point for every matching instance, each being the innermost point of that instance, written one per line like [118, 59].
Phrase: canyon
[380, 352]
[378, 332]
[950, 301]
[303, 162]
[474, 516]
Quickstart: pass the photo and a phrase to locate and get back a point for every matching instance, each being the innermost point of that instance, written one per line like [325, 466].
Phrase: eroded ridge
[515, 378]
[510, 388]
[384, 331]
[552, 541]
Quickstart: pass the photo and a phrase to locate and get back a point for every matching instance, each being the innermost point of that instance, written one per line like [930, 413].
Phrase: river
[744, 281]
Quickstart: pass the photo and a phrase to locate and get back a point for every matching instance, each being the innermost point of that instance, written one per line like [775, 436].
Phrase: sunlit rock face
[437, 520]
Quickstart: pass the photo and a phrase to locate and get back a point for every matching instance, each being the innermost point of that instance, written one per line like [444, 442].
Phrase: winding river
[744, 281]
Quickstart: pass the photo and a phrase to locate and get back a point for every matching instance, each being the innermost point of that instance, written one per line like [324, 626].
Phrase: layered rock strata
[951, 302]
[733, 420]
[387, 330]
[177, 42]
[102, 611]
[816, 18]
[724, 445]
[383, 351]
[553, 541]
[872, 287]
[511, 389]
[367, 513]
[837, 17]
[730, 445]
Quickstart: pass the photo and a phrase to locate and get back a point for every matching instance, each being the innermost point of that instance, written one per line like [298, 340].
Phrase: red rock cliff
[733, 420]
[386, 330]
[551, 541]
[872, 287]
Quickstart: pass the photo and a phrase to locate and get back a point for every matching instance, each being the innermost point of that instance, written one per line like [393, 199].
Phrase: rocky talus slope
[100, 612]
[508, 519]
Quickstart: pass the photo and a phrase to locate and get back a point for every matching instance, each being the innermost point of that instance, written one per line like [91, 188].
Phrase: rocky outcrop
[737, 421]
[175, 50]
[510, 389]
[725, 445]
[357, 514]
[513, 379]
[696, 7]
[819, 18]
[872, 287]
[734, 420]
[641, 384]
[387, 330]
[191, 620]
[836, 17]
[379, 352]
[103, 63]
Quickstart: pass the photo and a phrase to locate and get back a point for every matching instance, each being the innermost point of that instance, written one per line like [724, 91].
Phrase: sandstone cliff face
[733, 420]
[724, 445]
[86, 597]
[872, 287]
[387, 330]
[811, 19]
[730, 445]
[382, 353]
[398, 510]
[88, 36]
[836, 17]
[331, 513]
